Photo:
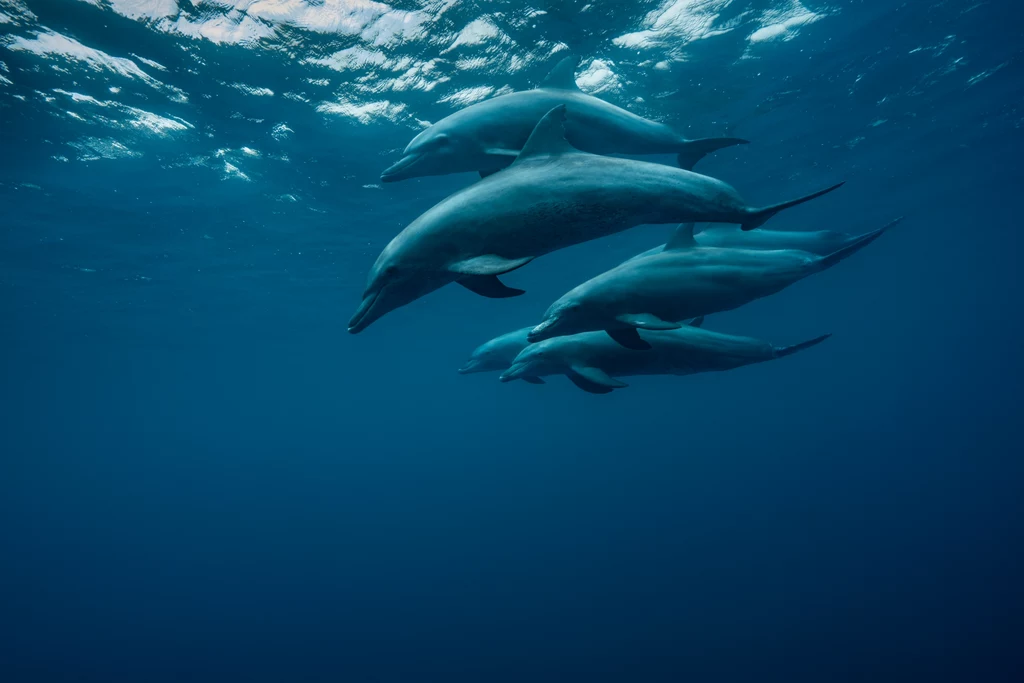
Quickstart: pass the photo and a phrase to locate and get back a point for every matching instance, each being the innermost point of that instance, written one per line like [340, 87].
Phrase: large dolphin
[682, 281]
[488, 135]
[497, 354]
[553, 196]
[820, 242]
[592, 361]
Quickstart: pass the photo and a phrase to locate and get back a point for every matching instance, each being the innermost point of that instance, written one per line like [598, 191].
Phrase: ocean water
[204, 477]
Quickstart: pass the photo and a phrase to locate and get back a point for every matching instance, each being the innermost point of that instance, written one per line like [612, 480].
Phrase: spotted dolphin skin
[506, 220]
[653, 292]
[497, 354]
[592, 361]
[487, 136]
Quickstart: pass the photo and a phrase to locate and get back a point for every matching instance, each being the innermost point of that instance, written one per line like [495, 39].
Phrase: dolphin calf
[488, 135]
[553, 196]
[592, 361]
[682, 281]
[497, 354]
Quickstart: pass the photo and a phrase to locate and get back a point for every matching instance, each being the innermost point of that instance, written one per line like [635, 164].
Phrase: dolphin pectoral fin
[548, 137]
[586, 386]
[629, 338]
[489, 286]
[646, 321]
[489, 264]
[563, 76]
[695, 150]
[696, 322]
[682, 237]
[593, 380]
[533, 380]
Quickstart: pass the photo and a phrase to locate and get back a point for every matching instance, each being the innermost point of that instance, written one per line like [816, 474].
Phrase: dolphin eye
[391, 270]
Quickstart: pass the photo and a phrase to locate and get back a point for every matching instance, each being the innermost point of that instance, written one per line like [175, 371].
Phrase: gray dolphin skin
[497, 354]
[820, 242]
[553, 196]
[592, 360]
[486, 137]
[682, 281]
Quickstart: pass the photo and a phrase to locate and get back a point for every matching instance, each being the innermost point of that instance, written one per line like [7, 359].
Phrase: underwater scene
[495, 341]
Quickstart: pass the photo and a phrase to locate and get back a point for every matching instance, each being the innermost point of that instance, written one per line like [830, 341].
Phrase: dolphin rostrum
[488, 135]
[497, 354]
[653, 292]
[592, 361]
[553, 196]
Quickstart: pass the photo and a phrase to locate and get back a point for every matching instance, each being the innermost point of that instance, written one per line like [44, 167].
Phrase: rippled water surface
[204, 477]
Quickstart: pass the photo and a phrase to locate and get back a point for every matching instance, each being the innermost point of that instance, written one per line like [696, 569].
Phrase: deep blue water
[205, 478]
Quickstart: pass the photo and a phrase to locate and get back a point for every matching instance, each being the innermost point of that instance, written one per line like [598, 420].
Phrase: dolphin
[497, 354]
[592, 361]
[487, 136]
[820, 242]
[553, 196]
[682, 281]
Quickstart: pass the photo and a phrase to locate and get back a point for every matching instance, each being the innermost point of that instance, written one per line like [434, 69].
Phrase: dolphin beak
[395, 171]
[471, 366]
[361, 318]
[515, 372]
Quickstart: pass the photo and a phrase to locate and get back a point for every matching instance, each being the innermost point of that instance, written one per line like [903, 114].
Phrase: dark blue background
[204, 477]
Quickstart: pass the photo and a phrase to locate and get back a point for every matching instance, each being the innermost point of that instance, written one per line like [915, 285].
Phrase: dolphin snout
[471, 366]
[361, 319]
[395, 171]
[515, 372]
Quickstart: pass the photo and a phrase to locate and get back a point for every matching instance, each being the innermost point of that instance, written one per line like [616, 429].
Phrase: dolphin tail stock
[758, 217]
[695, 150]
[856, 245]
[781, 351]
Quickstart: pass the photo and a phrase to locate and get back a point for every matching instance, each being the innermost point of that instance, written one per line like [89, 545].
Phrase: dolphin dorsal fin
[563, 76]
[548, 137]
[682, 238]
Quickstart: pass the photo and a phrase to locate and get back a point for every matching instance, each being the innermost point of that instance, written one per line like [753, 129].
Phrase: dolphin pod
[487, 136]
[557, 188]
[592, 361]
[654, 291]
[504, 221]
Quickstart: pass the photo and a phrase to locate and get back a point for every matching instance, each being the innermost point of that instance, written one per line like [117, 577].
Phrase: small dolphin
[684, 280]
[592, 361]
[553, 196]
[488, 135]
[820, 242]
[497, 354]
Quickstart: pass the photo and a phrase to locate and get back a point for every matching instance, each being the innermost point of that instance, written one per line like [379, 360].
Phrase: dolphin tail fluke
[695, 150]
[790, 350]
[856, 245]
[758, 217]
